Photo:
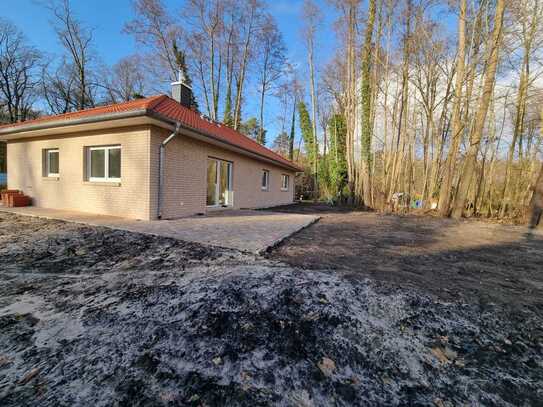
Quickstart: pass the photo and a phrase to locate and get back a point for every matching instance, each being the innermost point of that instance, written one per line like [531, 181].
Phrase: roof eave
[13, 130]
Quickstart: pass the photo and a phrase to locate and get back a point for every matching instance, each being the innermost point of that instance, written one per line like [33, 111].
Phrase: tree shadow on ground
[471, 262]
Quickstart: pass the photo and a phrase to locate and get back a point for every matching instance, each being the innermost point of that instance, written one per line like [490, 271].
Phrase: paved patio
[246, 230]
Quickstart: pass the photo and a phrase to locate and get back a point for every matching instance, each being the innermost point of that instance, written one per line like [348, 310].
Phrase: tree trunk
[477, 132]
[314, 116]
[292, 133]
[261, 128]
[520, 113]
[402, 120]
[536, 205]
[457, 124]
[242, 71]
[366, 96]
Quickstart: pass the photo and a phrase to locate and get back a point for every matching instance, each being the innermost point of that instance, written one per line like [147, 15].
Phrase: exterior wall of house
[136, 196]
[130, 198]
[185, 174]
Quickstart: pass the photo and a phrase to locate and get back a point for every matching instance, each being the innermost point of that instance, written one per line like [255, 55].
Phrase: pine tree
[228, 119]
[337, 163]
[306, 128]
[281, 143]
[292, 134]
[180, 61]
[251, 128]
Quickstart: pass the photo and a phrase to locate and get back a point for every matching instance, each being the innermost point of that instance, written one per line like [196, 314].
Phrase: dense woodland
[427, 103]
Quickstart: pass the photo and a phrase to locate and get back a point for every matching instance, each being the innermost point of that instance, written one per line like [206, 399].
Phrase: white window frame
[48, 160]
[285, 177]
[267, 186]
[106, 177]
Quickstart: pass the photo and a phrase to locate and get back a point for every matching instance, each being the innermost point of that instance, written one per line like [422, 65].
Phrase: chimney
[181, 92]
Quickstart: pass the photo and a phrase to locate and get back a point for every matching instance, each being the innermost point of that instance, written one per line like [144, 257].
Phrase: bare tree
[76, 39]
[231, 52]
[18, 66]
[313, 18]
[127, 80]
[59, 87]
[468, 170]
[457, 124]
[528, 17]
[155, 29]
[250, 20]
[206, 21]
[271, 62]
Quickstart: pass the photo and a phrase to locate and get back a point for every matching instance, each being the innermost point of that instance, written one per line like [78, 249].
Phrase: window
[104, 164]
[51, 162]
[265, 180]
[284, 182]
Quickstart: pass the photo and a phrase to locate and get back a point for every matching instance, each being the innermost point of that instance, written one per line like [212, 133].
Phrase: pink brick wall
[136, 196]
[186, 172]
[70, 191]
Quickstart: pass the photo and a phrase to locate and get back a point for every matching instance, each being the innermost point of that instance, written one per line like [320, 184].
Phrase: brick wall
[136, 196]
[70, 191]
[186, 171]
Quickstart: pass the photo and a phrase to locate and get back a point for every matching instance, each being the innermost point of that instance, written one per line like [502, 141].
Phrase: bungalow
[145, 159]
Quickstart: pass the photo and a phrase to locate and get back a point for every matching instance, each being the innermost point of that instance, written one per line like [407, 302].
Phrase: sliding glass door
[219, 182]
[212, 172]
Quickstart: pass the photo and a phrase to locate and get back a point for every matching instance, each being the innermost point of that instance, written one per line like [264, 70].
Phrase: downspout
[161, 168]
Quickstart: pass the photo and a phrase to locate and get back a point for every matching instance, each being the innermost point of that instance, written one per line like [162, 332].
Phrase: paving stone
[246, 230]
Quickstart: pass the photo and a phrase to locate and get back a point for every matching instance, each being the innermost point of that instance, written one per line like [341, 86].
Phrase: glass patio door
[219, 182]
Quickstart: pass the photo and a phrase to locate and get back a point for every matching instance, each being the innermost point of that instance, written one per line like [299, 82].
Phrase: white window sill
[264, 189]
[103, 183]
[284, 189]
[51, 178]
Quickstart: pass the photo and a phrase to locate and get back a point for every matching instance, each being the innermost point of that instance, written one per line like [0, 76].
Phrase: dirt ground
[465, 260]
[408, 312]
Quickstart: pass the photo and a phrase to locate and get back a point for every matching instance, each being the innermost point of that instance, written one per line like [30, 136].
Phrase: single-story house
[145, 159]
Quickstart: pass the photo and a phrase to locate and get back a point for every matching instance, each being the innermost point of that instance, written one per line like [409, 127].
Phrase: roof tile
[172, 110]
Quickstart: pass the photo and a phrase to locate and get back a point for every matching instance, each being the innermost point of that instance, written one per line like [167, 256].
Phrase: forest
[428, 104]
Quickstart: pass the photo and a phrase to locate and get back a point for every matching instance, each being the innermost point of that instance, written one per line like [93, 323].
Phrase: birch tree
[493, 45]
[457, 123]
[271, 63]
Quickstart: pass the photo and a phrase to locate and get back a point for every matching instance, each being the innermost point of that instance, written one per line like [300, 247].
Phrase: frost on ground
[91, 316]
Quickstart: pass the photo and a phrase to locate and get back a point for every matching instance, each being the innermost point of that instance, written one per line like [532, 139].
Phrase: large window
[104, 164]
[51, 162]
[284, 182]
[265, 184]
[219, 182]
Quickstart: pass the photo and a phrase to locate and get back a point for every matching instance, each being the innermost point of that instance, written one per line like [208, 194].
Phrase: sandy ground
[92, 316]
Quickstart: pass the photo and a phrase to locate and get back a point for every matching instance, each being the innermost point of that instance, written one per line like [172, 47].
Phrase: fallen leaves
[327, 366]
[29, 376]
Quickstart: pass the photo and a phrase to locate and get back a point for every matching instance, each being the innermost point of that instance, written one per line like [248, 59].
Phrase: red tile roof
[138, 104]
[169, 109]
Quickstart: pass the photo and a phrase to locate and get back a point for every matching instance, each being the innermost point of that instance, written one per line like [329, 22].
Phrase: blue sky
[107, 18]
